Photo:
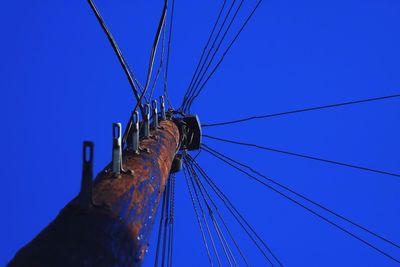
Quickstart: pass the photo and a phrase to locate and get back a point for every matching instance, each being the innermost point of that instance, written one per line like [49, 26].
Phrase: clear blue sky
[61, 84]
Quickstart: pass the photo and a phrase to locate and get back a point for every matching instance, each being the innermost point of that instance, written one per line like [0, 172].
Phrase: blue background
[61, 84]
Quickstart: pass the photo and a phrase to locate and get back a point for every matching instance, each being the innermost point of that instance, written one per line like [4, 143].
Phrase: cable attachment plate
[155, 113]
[117, 149]
[146, 121]
[85, 195]
[162, 107]
[135, 132]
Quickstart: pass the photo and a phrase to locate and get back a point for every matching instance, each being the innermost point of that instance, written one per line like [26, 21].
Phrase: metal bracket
[135, 132]
[146, 119]
[86, 193]
[117, 149]
[155, 113]
[162, 107]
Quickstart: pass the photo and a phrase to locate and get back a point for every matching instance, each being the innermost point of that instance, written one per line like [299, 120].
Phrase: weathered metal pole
[114, 229]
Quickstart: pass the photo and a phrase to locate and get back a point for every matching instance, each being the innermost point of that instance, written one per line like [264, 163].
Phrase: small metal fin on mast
[146, 121]
[162, 107]
[135, 132]
[85, 195]
[117, 149]
[155, 113]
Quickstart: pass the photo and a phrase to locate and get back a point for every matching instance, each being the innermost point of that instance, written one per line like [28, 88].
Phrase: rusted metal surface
[116, 230]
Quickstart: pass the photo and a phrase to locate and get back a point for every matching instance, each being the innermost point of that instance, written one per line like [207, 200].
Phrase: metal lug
[117, 149]
[146, 121]
[162, 107]
[155, 113]
[85, 195]
[135, 132]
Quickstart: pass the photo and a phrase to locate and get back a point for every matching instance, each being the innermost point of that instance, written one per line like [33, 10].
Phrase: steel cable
[197, 71]
[237, 215]
[221, 237]
[303, 206]
[198, 217]
[200, 184]
[302, 110]
[124, 64]
[301, 155]
[224, 54]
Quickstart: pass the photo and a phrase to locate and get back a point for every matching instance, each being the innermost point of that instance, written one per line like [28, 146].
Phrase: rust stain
[109, 188]
[136, 229]
[135, 198]
[150, 189]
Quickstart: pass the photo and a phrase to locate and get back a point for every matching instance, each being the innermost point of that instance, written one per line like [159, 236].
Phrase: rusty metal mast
[109, 223]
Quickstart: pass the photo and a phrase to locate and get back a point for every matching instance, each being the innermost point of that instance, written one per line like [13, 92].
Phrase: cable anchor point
[146, 121]
[162, 107]
[155, 113]
[85, 197]
[135, 132]
[116, 149]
